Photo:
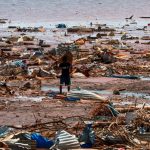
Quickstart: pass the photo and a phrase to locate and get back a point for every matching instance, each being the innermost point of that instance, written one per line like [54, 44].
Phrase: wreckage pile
[109, 130]
[99, 51]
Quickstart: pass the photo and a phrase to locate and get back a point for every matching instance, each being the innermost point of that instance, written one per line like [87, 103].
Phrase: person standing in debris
[65, 78]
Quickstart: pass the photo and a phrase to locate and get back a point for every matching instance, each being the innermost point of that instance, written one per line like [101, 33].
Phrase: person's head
[64, 59]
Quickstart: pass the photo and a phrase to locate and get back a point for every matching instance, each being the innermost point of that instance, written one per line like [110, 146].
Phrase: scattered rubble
[99, 116]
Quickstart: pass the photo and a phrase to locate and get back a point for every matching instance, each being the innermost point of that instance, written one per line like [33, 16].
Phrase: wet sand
[25, 109]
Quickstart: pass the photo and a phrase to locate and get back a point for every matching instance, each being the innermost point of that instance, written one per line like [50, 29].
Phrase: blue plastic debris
[41, 142]
[61, 25]
[72, 99]
[88, 137]
[86, 145]
[52, 94]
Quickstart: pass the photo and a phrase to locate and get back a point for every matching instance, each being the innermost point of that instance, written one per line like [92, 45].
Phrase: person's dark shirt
[65, 67]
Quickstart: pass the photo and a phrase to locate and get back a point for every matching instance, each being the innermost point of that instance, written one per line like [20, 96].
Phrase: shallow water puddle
[26, 98]
[50, 88]
[136, 95]
[102, 92]
[145, 78]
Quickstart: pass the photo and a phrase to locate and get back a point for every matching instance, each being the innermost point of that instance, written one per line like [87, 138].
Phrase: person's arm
[70, 69]
[59, 69]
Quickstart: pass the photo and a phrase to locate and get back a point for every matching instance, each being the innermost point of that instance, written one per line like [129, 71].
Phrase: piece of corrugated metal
[67, 141]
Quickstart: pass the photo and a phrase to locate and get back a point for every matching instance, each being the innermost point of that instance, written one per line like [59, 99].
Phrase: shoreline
[47, 23]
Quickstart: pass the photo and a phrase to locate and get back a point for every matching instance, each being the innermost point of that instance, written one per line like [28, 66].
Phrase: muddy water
[36, 11]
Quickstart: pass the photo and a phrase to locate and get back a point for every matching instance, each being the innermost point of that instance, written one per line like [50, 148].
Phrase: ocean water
[38, 11]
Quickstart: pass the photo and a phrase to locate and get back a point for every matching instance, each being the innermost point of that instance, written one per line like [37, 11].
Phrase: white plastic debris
[84, 94]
